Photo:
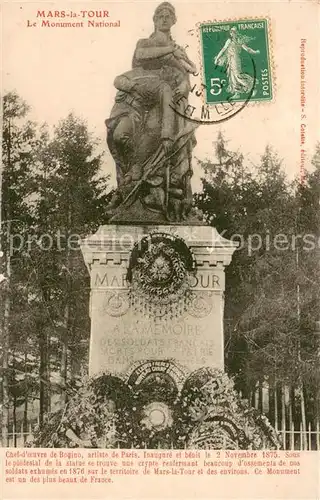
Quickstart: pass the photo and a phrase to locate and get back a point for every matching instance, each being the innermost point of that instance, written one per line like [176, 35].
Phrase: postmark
[201, 113]
[195, 109]
[236, 61]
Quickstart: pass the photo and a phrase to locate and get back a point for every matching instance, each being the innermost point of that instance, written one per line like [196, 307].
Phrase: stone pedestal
[121, 336]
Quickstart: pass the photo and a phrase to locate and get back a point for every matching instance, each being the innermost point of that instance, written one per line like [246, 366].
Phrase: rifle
[153, 164]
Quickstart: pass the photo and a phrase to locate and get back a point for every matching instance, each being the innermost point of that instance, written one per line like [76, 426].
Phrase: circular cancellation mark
[193, 109]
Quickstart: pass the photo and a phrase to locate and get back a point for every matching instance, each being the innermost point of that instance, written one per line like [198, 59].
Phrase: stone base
[122, 336]
[137, 214]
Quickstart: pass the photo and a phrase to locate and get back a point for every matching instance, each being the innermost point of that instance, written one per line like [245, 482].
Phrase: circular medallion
[116, 303]
[200, 304]
[157, 416]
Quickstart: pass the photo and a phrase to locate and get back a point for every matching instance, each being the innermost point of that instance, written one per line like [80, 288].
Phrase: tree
[308, 225]
[53, 192]
[267, 300]
[19, 140]
[70, 204]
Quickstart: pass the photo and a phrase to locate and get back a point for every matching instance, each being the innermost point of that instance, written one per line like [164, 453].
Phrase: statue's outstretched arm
[249, 50]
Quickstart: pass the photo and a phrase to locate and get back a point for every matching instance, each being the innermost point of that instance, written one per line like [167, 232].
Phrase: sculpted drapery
[150, 143]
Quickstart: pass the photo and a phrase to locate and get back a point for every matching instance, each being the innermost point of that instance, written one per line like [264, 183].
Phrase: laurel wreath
[206, 413]
[159, 268]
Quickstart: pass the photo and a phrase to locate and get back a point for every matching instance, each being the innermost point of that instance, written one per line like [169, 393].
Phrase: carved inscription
[109, 280]
[207, 281]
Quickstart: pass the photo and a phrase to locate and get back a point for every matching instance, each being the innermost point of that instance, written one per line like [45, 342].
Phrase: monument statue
[150, 143]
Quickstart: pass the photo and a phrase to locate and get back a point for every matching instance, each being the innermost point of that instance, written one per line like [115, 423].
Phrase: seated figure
[146, 138]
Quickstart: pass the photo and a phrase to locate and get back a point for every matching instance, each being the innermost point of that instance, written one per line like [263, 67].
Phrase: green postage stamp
[236, 61]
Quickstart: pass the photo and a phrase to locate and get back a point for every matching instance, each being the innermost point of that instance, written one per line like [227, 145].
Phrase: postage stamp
[236, 60]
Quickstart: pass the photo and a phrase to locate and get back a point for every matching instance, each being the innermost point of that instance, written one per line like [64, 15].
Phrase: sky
[57, 70]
